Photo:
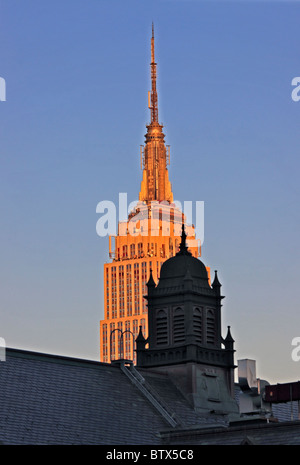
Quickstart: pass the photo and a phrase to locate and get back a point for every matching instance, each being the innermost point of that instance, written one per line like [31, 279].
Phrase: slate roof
[56, 400]
[183, 410]
[49, 399]
[281, 433]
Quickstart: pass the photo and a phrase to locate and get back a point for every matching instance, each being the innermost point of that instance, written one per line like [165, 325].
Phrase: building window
[121, 291]
[178, 326]
[152, 249]
[112, 341]
[107, 293]
[129, 290]
[136, 275]
[140, 249]
[210, 327]
[127, 336]
[104, 343]
[119, 339]
[144, 287]
[132, 250]
[170, 247]
[197, 324]
[135, 329]
[161, 328]
[113, 292]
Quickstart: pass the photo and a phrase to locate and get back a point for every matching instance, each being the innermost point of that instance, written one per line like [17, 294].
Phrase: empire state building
[151, 235]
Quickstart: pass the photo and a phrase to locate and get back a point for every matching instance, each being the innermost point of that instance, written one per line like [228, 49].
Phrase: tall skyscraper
[151, 235]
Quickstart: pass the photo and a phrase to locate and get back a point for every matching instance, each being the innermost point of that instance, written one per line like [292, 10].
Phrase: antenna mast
[153, 103]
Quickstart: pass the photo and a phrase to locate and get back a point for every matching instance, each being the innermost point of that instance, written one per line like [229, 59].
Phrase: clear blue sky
[77, 76]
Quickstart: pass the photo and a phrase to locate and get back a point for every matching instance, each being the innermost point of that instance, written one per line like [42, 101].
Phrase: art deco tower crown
[155, 156]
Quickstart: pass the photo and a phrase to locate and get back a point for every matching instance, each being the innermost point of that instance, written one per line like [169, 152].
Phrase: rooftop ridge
[53, 358]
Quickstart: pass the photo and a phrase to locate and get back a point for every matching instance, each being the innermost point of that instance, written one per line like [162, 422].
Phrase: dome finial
[216, 283]
[151, 282]
[183, 247]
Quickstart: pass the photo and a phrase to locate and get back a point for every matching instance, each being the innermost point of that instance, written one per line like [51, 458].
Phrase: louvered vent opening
[178, 327]
[210, 327]
[197, 320]
[161, 328]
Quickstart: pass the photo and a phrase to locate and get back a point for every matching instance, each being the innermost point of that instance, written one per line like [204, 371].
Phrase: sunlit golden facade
[151, 235]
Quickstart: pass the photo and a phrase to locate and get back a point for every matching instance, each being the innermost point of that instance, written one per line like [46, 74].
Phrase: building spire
[153, 95]
[152, 44]
[183, 250]
[155, 155]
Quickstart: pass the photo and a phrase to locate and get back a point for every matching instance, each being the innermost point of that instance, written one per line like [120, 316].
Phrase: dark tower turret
[184, 316]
